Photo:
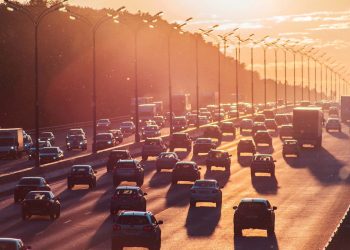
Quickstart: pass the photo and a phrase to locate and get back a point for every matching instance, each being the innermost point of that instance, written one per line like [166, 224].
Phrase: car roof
[127, 161]
[287, 126]
[186, 162]
[135, 213]
[218, 151]
[104, 134]
[82, 166]
[206, 180]
[74, 129]
[128, 187]
[14, 240]
[32, 177]
[254, 200]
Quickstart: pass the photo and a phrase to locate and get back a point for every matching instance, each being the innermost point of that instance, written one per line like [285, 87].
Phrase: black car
[41, 203]
[246, 146]
[185, 171]
[115, 156]
[128, 198]
[105, 140]
[81, 174]
[262, 137]
[203, 145]
[75, 131]
[47, 136]
[136, 229]
[50, 154]
[228, 127]
[192, 119]
[152, 147]
[246, 124]
[13, 244]
[128, 170]
[166, 160]
[32, 150]
[281, 119]
[127, 127]
[27, 184]
[180, 140]
[76, 142]
[262, 163]
[117, 134]
[179, 123]
[290, 147]
[218, 158]
[213, 131]
[286, 132]
[258, 126]
[254, 213]
[160, 120]
[269, 114]
[259, 118]
[271, 124]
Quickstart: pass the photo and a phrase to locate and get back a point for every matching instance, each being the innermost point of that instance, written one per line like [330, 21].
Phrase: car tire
[237, 231]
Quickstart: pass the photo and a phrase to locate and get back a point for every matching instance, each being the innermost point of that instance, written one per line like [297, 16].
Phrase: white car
[333, 124]
[103, 123]
[206, 191]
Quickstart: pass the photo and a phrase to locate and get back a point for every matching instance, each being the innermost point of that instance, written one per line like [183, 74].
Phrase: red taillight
[117, 228]
[147, 228]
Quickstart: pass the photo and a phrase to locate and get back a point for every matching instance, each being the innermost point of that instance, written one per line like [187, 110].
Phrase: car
[271, 124]
[76, 142]
[305, 103]
[127, 127]
[246, 146]
[192, 119]
[28, 142]
[218, 158]
[13, 244]
[213, 131]
[286, 132]
[166, 160]
[116, 155]
[50, 154]
[136, 229]
[185, 171]
[333, 124]
[262, 137]
[117, 134]
[262, 163]
[290, 147]
[152, 147]
[281, 119]
[246, 124]
[203, 145]
[128, 198]
[206, 190]
[256, 213]
[232, 114]
[203, 120]
[75, 131]
[180, 140]
[27, 184]
[333, 111]
[228, 127]
[179, 123]
[32, 150]
[207, 114]
[47, 136]
[128, 170]
[103, 124]
[258, 126]
[41, 203]
[147, 122]
[160, 120]
[269, 114]
[150, 131]
[105, 140]
[81, 174]
[259, 118]
[219, 116]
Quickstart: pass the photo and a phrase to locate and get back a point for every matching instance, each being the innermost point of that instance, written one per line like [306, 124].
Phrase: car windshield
[132, 220]
[126, 192]
[76, 137]
[75, 132]
[80, 169]
[252, 207]
[49, 150]
[103, 121]
[263, 158]
[104, 137]
[217, 154]
[167, 156]
[38, 196]
[30, 181]
[7, 141]
[207, 184]
[126, 165]
[182, 166]
[333, 121]
[8, 246]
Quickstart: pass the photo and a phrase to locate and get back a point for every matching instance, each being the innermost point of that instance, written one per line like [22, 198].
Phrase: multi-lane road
[311, 194]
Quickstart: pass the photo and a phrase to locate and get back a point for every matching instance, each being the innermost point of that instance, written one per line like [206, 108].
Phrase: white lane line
[87, 213]
[67, 221]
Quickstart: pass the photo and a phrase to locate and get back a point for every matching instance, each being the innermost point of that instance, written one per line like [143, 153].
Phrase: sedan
[206, 191]
[166, 160]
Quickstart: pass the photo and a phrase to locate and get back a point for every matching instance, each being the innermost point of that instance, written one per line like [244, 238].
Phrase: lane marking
[67, 221]
[87, 213]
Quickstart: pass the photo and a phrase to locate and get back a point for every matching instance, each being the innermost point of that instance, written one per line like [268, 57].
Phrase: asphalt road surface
[311, 193]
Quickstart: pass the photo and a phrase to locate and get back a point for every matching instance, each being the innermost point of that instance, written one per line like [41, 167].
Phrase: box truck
[11, 142]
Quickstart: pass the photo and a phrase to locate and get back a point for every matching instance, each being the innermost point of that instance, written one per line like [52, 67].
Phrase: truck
[345, 108]
[11, 142]
[307, 126]
[181, 104]
[147, 111]
[159, 107]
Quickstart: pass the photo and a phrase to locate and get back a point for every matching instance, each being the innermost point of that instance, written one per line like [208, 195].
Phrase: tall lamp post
[285, 49]
[35, 20]
[276, 84]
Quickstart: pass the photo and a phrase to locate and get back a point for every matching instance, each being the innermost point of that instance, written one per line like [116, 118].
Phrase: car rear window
[80, 170]
[29, 182]
[132, 220]
[252, 207]
[48, 150]
[183, 166]
[153, 143]
[8, 246]
[205, 184]
[262, 158]
[125, 192]
[126, 165]
[38, 196]
[167, 156]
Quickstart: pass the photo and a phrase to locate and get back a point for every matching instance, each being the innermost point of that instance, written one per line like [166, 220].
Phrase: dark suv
[180, 140]
[290, 147]
[213, 131]
[218, 158]
[76, 142]
[27, 184]
[105, 140]
[166, 160]
[254, 213]
[246, 124]
[262, 137]
[41, 203]
[271, 124]
[286, 132]
[258, 126]
[262, 163]
[228, 127]
[152, 147]
[246, 146]
[203, 145]
[128, 170]
[136, 229]
[128, 198]
[115, 156]
[81, 174]
[185, 171]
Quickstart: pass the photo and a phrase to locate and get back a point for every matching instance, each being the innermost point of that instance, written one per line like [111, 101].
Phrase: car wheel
[237, 231]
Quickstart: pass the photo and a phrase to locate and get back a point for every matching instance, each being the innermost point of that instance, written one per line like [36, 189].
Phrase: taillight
[116, 228]
[147, 228]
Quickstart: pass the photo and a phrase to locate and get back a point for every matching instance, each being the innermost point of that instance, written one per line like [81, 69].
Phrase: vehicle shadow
[265, 149]
[221, 175]
[202, 221]
[228, 137]
[101, 234]
[245, 161]
[182, 154]
[178, 195]
[246, 133]
[265, 184]
[161, 179]
[294, 162]
[251, 242]
[339, 135]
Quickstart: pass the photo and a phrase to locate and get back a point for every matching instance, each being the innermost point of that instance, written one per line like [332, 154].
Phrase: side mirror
[144, 193]
[274, 208]
[160, 222]
[95, 171]
[234, 207]
[199, 168]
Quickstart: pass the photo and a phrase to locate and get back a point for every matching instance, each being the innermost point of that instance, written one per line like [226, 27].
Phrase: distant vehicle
[203, 145]
[192, 119]
[13, 244]
[180, 140]
[128, 170]
[160, 120]
[207, 114]
[228, 127]
[333, 111]
[76, 142]
[150, 131]
[152, 147]
[28, 142]
[254, 213]
[246, 124]
[181, 104]
[144, 227]
[41, 203]
[117, 134]
[305, 103]
[345, 108]
[258, 126]
[218, 158]
[11, 143]
[145, 123]
[166, 160]
[81, 174]
[115, 156]
[127, 127]
[103, 124]
[27, 184]
[271, 124]
[333, 124]
[290, 147]
[262, 163]
[179, 123]
[232, 114]
[281, 119]
[203, 120]
[206, 190]
[307, 126]
[286, 132]
[185, 171]
[32, 150]
[159, 107]
[147, 111]
[128, 198]
[262, 137]
[105, 140]
[246, 146]
[75, 131]
[213, 131]
[50, 154]
[219, 116]
[47, 136]
[259, 118]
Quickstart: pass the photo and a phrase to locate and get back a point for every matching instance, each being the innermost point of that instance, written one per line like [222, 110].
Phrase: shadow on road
[245, 161]
[178, 195]
[339, 135]
[228, 137]
[218, 174]
[101, 233]
[256, 242]
[265, 184]
[160, 179]
[264, 149]
[202, 221]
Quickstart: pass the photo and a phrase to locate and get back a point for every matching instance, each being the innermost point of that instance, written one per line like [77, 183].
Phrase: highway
[311, 193]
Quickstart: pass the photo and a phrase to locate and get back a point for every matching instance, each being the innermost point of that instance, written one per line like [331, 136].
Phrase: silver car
[333, 124]
[206, 191]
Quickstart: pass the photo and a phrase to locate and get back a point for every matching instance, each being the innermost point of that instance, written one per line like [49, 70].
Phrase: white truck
[11, 142]
[147, 112]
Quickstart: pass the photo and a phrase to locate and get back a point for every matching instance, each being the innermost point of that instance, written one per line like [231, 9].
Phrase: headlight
[12, 147]
[109, 142]
[68, 143]
[54, 157]
[81, 143]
